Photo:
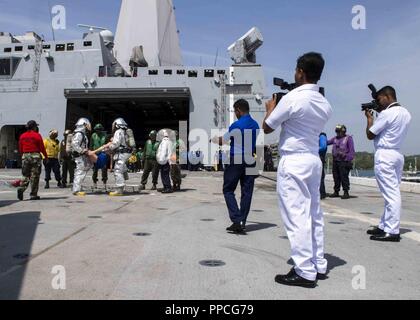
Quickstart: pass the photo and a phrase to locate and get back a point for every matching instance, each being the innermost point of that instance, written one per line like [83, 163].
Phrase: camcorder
[374, 105]
[288, 87]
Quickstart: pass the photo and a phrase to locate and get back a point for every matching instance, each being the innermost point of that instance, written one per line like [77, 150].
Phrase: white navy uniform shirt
[302, 115]
[391, 127]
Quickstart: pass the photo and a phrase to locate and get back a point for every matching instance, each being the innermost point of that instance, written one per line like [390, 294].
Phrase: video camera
[289, 87]
[374, 105]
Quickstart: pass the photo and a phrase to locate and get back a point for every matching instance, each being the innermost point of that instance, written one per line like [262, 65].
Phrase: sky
[387, 52]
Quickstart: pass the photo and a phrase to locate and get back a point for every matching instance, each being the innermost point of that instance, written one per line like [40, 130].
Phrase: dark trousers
[322, 191]
[68, 167]
[341, 171]
[152, 166]
[54, 165]
[176, 174]
[164, 174]
[104, 172]
[233, 174]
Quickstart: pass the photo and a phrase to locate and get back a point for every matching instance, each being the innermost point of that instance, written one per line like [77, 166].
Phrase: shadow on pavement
[17, 232]
[255, 226]
[5, 203]
[49, 198]
[403, 231]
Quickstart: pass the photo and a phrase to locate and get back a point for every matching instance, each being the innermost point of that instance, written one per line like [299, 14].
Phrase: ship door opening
[143, 114]
[9, 146]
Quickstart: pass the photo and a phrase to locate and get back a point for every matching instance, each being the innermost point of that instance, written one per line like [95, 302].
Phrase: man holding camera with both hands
[388, 132]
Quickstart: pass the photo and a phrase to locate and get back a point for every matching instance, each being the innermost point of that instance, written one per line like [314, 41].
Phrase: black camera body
[374, 105]
[288, 87]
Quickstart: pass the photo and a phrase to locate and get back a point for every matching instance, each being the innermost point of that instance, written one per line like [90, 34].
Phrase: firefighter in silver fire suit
[79, 147]
[119, 146]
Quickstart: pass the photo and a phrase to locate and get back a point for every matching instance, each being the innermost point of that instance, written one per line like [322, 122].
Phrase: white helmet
[119, 124]
[83, 123]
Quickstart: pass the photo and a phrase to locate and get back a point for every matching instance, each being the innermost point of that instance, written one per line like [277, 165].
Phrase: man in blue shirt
[323, 147]
[242, 136]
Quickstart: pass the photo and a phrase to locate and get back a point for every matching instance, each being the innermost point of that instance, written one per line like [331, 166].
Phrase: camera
[374, 105]
[288, 87]
[283, 86]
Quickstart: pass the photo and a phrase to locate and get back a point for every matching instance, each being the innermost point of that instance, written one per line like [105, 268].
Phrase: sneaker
[79, 194]
[335, 195]
[167, 191]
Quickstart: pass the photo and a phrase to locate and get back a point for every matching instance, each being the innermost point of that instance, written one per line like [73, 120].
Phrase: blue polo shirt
[243, 137]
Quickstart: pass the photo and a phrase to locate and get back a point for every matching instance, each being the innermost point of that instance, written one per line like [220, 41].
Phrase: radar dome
[108, 37]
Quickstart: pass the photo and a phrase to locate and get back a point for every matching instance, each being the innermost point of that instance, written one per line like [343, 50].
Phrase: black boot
[335, 195]
[47, 184]
[20, 194]
[236, 228]
[345, 195]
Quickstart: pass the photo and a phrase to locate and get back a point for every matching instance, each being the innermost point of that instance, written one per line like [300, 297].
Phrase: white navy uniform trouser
[83, 165]
[298, 181]
[120, 169]
[389, 165]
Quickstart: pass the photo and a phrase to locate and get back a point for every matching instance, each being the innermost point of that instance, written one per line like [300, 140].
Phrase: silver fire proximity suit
[79, 146]
[122, 153]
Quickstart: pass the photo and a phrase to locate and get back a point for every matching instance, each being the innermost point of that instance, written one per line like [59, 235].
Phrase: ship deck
[150, 246]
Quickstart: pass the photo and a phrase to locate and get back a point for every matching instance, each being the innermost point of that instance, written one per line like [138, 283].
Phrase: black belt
[124, 150]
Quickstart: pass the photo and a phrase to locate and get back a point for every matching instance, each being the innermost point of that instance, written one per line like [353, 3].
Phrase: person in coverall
[119, 146]
[79, 146]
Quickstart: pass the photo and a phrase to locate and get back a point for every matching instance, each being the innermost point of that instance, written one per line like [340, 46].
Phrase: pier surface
[149, 246]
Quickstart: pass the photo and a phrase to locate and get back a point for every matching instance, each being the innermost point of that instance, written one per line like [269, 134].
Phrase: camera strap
[395, 104]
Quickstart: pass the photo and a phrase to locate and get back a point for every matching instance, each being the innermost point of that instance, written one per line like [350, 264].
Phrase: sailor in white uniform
[302, 115]
[388, 132]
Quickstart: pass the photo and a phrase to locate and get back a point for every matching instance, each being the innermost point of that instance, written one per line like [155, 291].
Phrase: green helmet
[99, 127]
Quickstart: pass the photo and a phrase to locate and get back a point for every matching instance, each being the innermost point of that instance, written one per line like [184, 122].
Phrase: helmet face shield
[83, 122]
[340, 129]
[53, 134]
[118, 124]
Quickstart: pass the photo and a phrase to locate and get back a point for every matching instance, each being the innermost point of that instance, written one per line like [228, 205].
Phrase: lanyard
[395, 104]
